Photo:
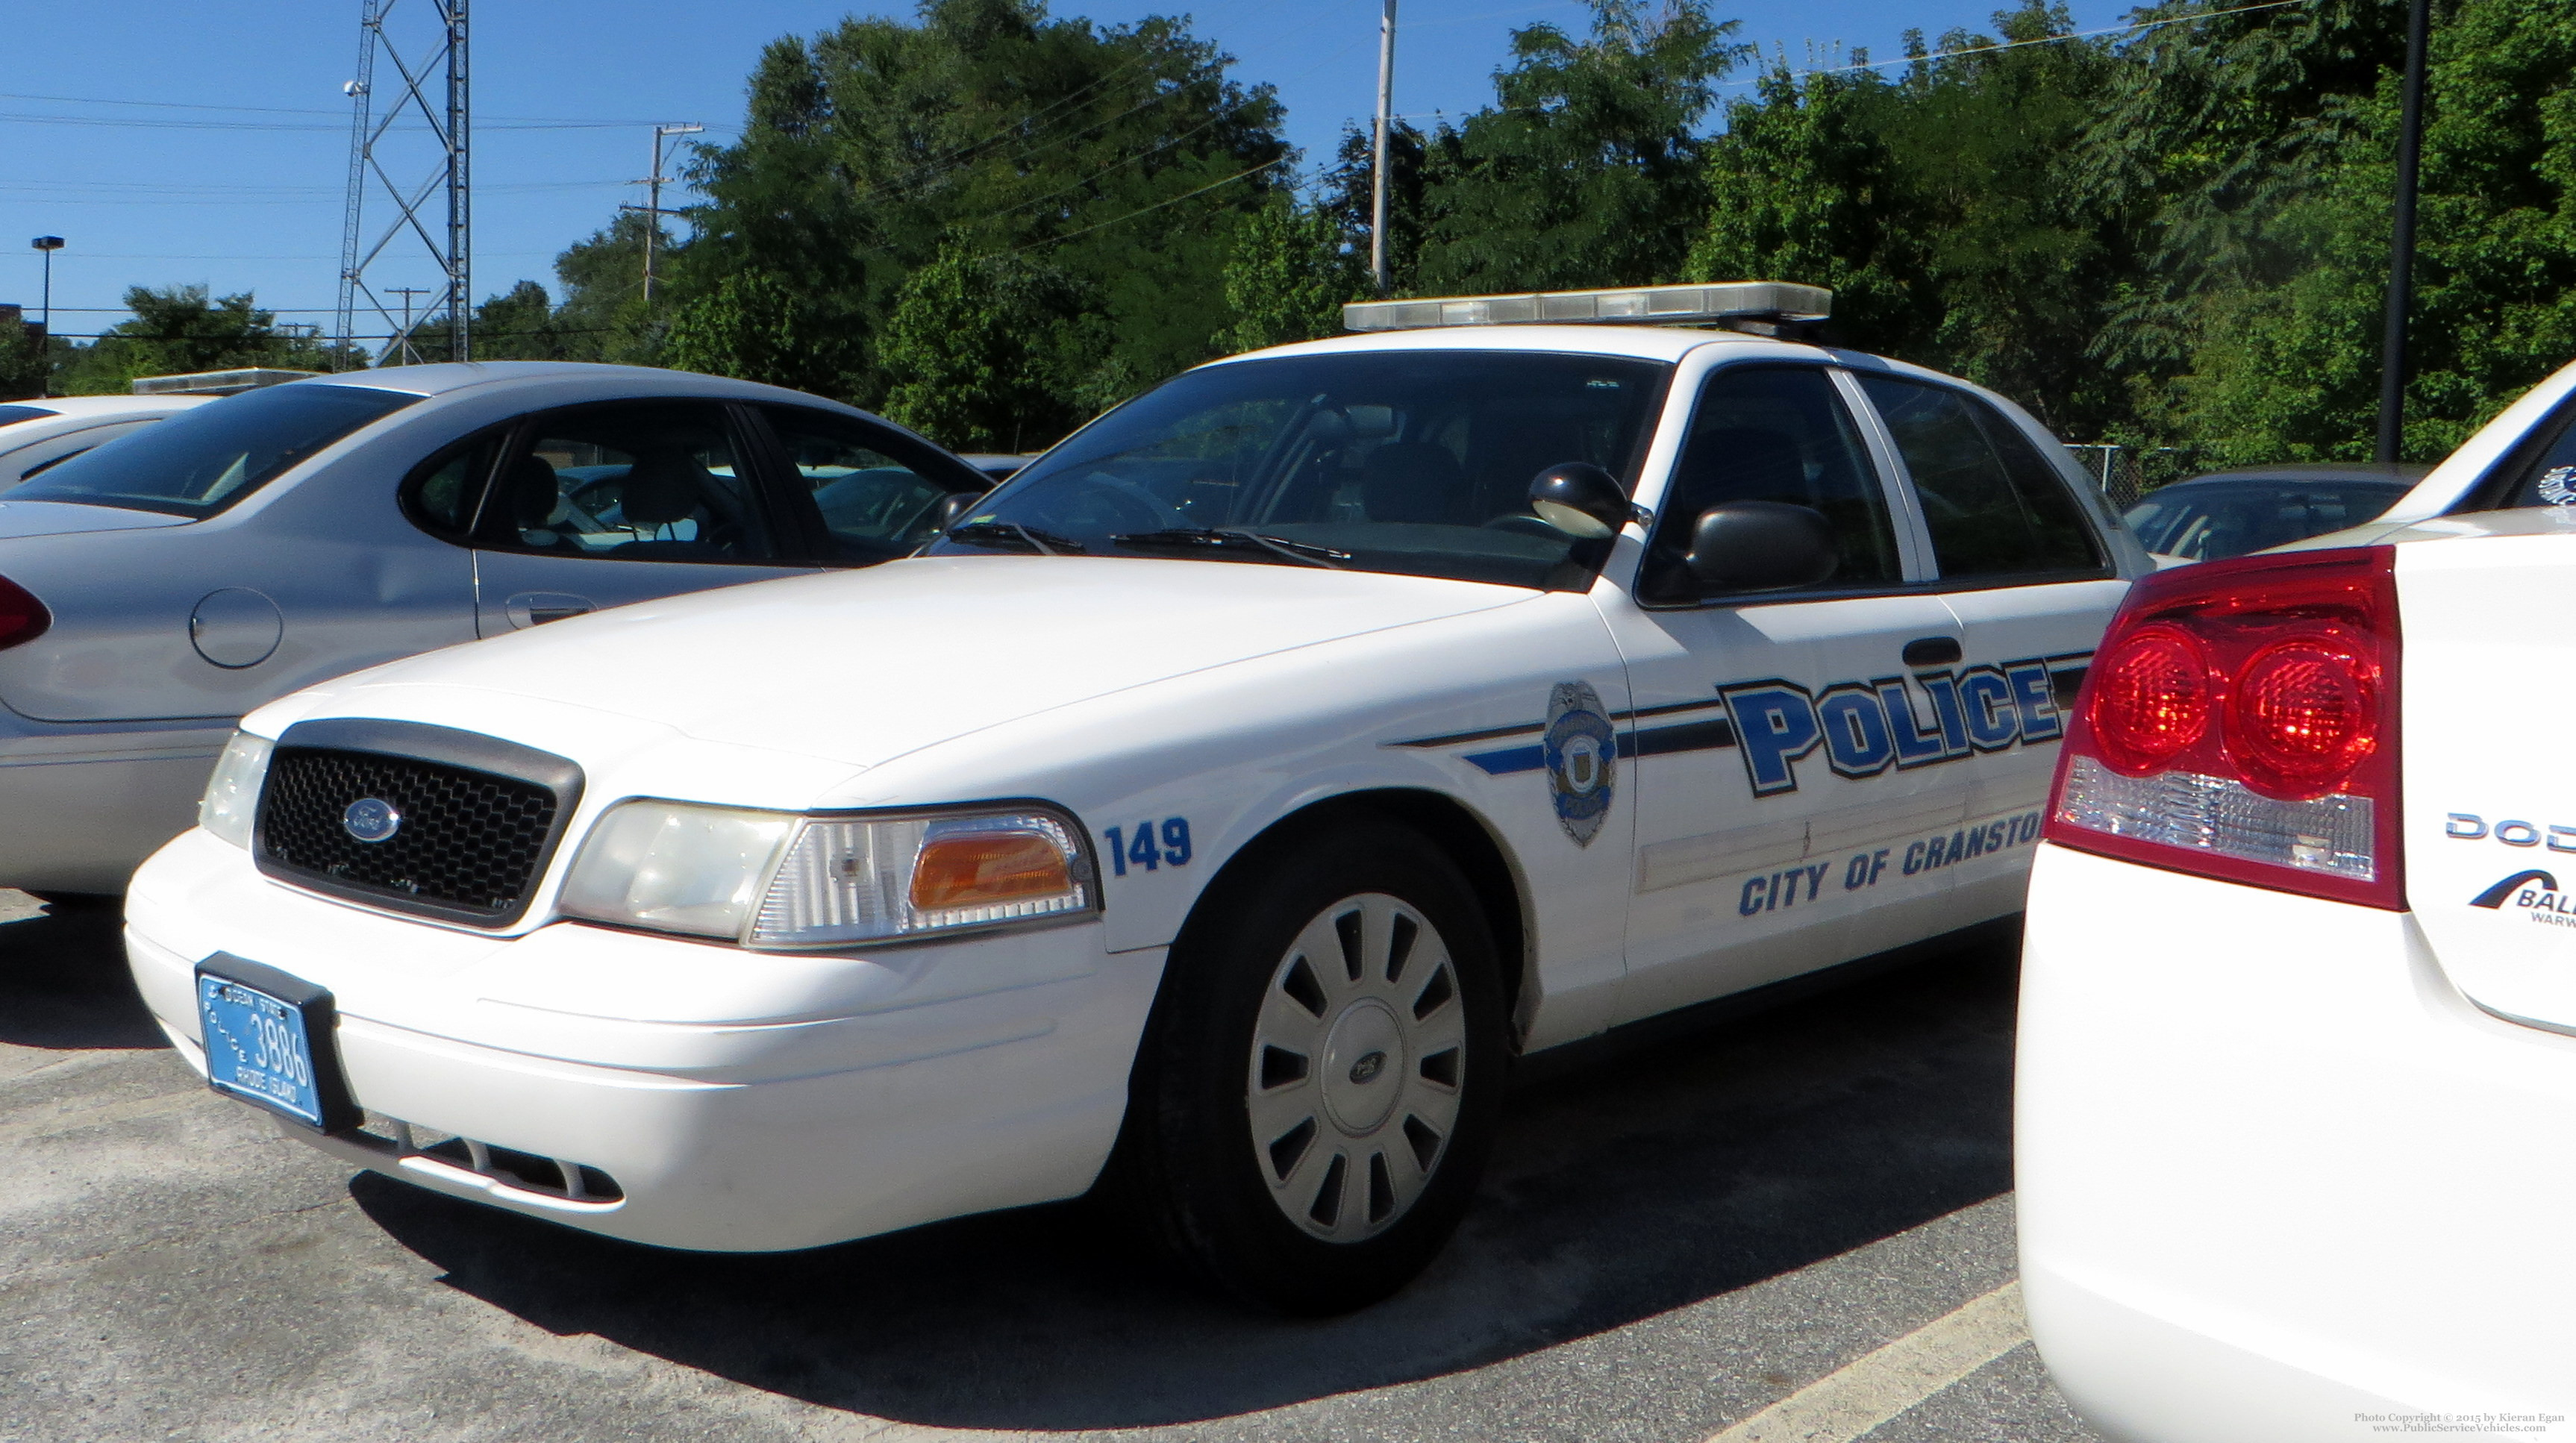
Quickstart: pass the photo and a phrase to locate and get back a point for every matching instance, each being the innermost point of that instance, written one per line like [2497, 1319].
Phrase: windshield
[2209, 523]
[203, 460]
[1406, 461]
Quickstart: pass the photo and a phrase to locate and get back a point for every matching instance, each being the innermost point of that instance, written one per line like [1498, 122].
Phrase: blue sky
[234, 174]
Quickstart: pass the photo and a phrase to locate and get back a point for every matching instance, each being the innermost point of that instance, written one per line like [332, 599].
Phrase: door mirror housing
[1761, 546]
[1579, 499]
[953, 507]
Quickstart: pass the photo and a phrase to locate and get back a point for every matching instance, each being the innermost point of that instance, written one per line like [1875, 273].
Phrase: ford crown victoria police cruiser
[1211, 814]
[2298, 1027]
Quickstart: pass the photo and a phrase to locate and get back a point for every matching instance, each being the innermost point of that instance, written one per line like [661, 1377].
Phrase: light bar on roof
[1632, 305]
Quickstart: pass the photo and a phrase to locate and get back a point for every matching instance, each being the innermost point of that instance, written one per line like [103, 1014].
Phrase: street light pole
[1378, 261]
[46, 245]
[2401, 262]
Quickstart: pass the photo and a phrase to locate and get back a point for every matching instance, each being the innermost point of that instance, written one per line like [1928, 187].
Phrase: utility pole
[1378, 261]
[46, 245]
[409, 166]
[652, 209]
[2401, 264]
[409, 354]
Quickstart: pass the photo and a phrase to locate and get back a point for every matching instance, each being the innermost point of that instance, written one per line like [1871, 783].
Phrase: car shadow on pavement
[64, 979]
[1639, 1184]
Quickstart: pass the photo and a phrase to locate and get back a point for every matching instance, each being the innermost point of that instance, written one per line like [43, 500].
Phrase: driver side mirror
[953, 508]
[1579, 499]
[1761, 546]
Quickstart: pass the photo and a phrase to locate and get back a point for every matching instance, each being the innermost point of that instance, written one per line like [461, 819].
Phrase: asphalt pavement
[1778, 1226]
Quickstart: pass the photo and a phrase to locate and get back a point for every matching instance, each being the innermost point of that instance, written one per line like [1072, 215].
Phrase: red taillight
[22, 616]
[2240, 721]
[2151, 699]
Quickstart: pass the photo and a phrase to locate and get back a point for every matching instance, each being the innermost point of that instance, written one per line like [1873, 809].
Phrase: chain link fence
[2126, 473]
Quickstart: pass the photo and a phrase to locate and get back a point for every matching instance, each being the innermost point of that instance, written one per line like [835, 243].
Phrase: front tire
[1316, 1094]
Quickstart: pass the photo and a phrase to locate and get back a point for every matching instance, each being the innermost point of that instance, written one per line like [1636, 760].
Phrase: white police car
[2298, 1021]
[1221, 804]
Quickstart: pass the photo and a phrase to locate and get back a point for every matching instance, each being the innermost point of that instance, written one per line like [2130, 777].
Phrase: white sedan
[1216, 809]
[38, 435]
[2298, 1028]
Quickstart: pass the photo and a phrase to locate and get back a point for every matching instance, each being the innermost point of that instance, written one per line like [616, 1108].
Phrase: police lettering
[1864, 728]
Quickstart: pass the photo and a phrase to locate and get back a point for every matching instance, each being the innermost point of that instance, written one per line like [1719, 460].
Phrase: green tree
[518, 325]
[988, 353]
[757, 326]
[179, 329]
[1293, 268]
[23, 369]
[1587, 170]
[604, 316]
[1119, 157]
[1805, 186]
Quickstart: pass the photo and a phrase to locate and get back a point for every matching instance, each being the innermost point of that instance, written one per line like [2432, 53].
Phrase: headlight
[231, 805]
[772, 880]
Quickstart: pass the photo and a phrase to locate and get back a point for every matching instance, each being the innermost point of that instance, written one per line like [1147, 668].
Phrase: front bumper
[741, 1101]
[2274, 1171]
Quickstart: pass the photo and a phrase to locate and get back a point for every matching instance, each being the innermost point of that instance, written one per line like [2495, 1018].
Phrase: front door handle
[1932, 651]
[536, 608]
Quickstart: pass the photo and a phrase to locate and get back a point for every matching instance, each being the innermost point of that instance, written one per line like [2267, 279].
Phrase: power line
[2041, 40]
[1158, 205]
[336, 113]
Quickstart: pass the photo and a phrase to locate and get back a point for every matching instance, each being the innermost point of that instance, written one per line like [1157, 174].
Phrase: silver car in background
[154, 589]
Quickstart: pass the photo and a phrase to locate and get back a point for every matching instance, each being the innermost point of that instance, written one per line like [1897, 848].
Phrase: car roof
[444, 377]
[1645, 343]
[2398, 474]
[119, 405]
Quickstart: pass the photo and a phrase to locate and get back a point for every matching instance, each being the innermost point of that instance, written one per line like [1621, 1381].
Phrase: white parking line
[1847, 1403]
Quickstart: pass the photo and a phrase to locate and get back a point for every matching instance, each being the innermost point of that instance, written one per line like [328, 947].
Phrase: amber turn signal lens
[980, 869]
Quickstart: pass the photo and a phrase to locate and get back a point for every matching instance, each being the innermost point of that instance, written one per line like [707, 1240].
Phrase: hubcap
[1357, 1060]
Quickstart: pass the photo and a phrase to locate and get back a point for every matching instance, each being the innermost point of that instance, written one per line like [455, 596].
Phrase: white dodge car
[1218, 806]
[2298, 1033]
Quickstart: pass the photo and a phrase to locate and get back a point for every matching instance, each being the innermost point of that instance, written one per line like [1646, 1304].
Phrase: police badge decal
[1581, 753]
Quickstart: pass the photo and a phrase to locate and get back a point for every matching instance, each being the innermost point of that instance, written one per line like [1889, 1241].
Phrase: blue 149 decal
[1140, 849]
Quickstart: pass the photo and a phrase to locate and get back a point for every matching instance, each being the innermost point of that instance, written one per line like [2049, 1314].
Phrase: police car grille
[469, 841]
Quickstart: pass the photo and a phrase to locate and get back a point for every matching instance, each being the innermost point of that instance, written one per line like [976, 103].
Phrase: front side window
[655, 481]
[875, 505]
[1416, 462]
[202, 460]
[1993, 504]
[1774, 433]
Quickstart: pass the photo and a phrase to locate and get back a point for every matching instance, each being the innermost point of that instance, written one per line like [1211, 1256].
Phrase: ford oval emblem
[371, 819]
[1365, 1071]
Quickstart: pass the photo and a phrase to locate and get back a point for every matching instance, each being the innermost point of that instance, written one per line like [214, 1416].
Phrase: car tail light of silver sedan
[22, 617]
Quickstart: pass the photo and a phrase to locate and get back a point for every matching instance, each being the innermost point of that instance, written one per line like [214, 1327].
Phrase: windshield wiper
[1006, 533]
[1236, 538]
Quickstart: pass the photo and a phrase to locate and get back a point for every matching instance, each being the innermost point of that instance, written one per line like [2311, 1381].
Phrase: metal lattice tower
[411, 166]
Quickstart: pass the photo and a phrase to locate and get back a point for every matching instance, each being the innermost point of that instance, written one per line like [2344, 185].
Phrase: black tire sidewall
[1199, 1164]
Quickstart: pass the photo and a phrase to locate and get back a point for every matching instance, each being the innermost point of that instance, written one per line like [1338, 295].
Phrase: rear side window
[2539, 472]
[1993, 504]
[203, 460]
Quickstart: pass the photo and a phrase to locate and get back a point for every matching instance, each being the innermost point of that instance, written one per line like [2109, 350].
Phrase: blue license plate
[260, 1047]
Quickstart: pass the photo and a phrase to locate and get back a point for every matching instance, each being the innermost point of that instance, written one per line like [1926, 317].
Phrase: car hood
[861, 667]
[54, 518]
